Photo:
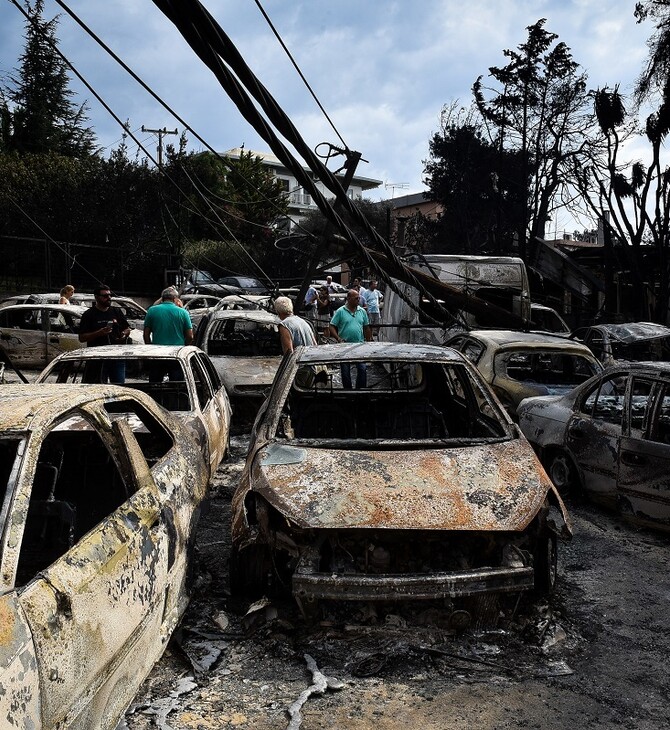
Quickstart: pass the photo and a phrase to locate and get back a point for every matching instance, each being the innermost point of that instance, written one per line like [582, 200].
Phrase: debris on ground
[320, 683]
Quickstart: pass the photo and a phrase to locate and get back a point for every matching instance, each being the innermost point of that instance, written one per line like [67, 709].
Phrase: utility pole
[161, 133]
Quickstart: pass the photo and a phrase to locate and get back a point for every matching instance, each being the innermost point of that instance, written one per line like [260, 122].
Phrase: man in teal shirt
[350, 324]
[166, 323]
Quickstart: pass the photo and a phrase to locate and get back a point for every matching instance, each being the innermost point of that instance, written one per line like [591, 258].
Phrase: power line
[300, 73]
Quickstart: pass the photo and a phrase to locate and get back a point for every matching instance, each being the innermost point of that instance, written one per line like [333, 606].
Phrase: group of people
[104, 324]
[351, 323]
[319, 304]
[166, 323]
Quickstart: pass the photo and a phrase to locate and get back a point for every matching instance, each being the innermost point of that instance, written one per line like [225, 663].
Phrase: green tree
[235, 202]
[37, 114]
[538, 107]
[474, 181]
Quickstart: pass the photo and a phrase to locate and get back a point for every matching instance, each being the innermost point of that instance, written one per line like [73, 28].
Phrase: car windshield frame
[475, 398]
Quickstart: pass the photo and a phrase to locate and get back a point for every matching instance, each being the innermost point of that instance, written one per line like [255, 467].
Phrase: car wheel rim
[560, 472]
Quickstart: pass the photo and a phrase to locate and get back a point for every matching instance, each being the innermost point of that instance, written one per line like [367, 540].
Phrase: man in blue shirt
[350, 324]
[373, 298]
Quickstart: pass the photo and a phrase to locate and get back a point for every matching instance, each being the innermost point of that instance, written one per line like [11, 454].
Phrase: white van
[500, 280]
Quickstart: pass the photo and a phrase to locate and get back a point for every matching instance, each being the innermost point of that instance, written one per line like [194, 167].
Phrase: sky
[382, 69]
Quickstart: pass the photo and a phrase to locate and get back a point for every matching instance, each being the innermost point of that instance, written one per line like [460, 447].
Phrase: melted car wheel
[561, 472]
[545, 563]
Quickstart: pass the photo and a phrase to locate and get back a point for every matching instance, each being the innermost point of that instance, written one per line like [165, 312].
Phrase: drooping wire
[146, 87]
[132, 135]
[212, 45]
[300, 73]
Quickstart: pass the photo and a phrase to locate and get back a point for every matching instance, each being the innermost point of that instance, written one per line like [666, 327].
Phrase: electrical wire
[124, 126]
[300, 73]
[144, 85]
[214, 48]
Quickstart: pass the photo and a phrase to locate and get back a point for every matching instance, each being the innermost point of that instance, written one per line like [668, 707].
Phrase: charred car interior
[406, 401]
[243, 338]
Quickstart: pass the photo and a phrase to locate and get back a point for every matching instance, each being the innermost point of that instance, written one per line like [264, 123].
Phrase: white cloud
[382, 70]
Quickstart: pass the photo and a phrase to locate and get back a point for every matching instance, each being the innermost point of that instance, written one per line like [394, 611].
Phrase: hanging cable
[300, 73]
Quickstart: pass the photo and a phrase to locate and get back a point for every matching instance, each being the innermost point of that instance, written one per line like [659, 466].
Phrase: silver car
[610, 439]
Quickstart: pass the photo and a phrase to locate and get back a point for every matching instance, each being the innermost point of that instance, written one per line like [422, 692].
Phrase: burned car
[99, 495]
[417, 486]
[610, 439]
[244, 347]
[518, 365]
[199, 306]
[32, 335]
[630, 342]
[181, 379]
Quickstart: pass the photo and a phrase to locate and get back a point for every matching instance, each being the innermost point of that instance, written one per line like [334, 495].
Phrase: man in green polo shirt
[166, 323]
[350, 324]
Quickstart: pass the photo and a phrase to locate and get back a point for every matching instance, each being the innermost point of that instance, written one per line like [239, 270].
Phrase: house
[300, 202]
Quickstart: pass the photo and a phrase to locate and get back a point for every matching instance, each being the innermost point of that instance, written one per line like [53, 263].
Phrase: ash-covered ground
[594, 656]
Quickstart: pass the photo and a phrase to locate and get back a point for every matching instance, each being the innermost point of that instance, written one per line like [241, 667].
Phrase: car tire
[545, 563]
[248, 571]
[562, 473]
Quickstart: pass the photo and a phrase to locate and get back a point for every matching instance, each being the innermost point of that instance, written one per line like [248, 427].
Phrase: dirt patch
[595, 656]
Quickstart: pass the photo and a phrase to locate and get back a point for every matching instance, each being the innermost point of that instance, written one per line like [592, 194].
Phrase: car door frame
[643, 487]
[594, 443]
[100, 601]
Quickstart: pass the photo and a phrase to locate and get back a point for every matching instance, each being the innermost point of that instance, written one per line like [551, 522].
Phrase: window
[76, 484]
[546, 367]
[473, 350]
[64, 322]
[202, 386]
[605, 401]
[8, 450]
[153, 438]
[659, 430]
[23, 319]
[161, 378]
[639, 405]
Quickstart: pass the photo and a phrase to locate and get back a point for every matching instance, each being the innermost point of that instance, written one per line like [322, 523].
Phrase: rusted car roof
[23, 407]
[371, 351]
[104, 352]
[634, 331]
[512, 338]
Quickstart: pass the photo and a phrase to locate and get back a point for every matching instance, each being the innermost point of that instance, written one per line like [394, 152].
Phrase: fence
[36, 265]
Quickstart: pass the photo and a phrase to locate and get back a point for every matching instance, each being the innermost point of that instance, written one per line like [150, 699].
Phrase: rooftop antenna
[394, 186]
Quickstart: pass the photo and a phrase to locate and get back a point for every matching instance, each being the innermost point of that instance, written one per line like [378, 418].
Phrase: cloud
[382, 70]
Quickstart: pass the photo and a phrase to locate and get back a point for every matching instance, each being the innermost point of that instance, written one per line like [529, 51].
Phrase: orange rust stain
[7, 618]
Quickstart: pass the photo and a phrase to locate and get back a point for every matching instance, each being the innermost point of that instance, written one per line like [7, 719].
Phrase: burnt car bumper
[310, 585]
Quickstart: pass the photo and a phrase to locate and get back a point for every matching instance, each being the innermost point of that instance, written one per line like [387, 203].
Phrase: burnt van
[500, 280]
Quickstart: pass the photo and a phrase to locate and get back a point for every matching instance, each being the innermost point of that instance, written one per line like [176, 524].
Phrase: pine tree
[40, 115]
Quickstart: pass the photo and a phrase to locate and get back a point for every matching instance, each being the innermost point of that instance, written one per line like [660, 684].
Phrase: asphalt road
[594, 656]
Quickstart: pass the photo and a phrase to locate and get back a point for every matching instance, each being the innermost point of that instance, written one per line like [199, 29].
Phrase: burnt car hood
[241, 371]
[498, 486]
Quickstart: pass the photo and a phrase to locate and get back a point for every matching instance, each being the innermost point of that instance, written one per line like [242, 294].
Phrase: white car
[246, 352]
[32, 335]
[181, 379]
[100, 493]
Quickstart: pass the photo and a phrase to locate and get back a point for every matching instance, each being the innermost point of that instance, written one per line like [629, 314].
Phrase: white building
[301, 203]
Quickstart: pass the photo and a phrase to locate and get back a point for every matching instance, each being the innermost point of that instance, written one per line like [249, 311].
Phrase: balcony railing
[299, 199]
